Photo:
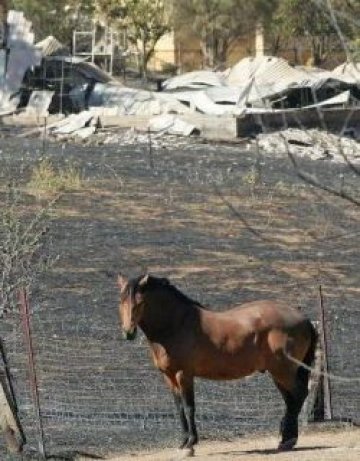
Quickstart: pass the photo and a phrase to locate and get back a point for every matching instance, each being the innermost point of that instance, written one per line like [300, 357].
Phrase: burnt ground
[169, 214]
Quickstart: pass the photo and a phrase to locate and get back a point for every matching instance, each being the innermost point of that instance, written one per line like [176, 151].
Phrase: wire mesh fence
[344, 343]
[99, 393]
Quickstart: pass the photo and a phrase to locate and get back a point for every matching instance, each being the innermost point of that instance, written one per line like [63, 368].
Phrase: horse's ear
[122, 281]
[143, 281]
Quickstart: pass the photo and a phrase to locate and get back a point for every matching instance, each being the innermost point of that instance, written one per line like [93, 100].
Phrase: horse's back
[267, 314]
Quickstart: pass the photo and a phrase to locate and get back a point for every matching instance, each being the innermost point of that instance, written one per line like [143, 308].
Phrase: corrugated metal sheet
[131, 101]
[51, 46]
[349, 71]
[268, 71]
[274, 76]
[87, 69]
[92, 71]
[194, 80]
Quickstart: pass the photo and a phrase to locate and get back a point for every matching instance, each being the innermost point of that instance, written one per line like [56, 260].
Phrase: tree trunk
[143, 69]
[275, 45]
[207, 48]
[317, 52]
[221, 49]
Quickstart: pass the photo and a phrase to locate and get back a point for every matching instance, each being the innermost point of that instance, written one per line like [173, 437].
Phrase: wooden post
[9, 423]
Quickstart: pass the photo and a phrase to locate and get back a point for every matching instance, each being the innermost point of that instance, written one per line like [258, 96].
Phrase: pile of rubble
[313, 144]
[132, 137]
[87, 123]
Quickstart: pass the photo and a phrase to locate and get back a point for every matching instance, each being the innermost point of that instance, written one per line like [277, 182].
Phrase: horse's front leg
[186, 388]
[172, 383]
[183, 420]
[182, 388]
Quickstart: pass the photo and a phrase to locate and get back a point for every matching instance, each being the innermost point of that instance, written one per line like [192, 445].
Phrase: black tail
[303, 373]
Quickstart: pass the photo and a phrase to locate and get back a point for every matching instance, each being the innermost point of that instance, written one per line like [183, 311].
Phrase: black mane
[156, 282]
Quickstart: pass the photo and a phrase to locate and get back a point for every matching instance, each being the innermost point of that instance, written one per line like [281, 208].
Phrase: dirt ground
[331, 445]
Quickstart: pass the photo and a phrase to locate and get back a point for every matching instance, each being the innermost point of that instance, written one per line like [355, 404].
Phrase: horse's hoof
[185, 453]
[287, 445]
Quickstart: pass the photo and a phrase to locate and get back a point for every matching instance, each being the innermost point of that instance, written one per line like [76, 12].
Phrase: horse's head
[131, 306]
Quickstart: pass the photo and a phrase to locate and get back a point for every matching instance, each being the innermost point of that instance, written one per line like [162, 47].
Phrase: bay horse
[187, 340]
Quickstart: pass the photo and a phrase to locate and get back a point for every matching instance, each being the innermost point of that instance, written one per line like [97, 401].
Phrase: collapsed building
[255, 91]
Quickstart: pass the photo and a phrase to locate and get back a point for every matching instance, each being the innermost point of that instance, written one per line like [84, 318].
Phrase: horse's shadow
[269, 451]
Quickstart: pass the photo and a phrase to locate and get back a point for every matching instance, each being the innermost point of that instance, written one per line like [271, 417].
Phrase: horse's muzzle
[130, 335]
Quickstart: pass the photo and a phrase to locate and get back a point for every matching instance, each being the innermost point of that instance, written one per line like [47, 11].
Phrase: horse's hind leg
[294, 400]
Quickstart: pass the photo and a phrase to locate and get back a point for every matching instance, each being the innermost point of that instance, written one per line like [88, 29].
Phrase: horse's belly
[225, 368]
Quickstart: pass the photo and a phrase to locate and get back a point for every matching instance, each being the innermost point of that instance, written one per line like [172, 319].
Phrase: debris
[349, 71]
[341, 99]
[130, 101]
[263, 82]
[39, 103]
[51, 46]
[86, 132]
[313, 144]
[75, 123]
[203, 102]
[172, 125]
[194, 80]
[222, 104]
[159, 140]
[21, 55]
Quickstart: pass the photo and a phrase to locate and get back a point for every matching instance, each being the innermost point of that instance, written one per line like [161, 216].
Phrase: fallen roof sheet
[350, 71]
[341, 99]
[328, 77]
[267, 70]
[273, 76]
[131, 101]
[210, 103]
[251, 81]
[197, 79]
[74, 122]
[170, 124]
[89, 70]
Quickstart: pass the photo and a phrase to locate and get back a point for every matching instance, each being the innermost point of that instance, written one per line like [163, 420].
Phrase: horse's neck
[164, 314]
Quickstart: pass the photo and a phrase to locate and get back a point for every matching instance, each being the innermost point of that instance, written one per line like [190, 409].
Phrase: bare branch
[313, 181]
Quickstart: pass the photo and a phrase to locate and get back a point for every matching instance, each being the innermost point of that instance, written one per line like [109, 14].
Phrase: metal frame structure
[103, 49]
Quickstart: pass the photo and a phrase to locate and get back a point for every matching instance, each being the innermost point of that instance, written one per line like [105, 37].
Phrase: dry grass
[47, 180]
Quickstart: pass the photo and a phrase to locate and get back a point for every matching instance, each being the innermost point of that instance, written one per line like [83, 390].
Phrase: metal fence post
[25, 317]
[325, 363]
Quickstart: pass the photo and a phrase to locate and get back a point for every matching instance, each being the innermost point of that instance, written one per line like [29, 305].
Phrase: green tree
[220, 23]
[58, 18]
[145, 22]
[323, 24]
